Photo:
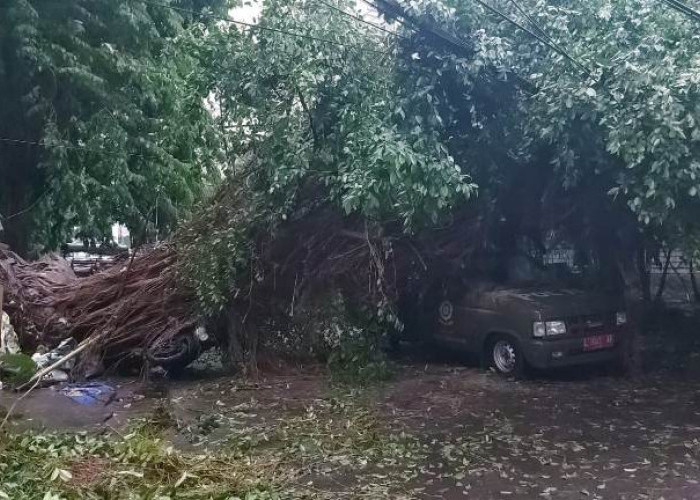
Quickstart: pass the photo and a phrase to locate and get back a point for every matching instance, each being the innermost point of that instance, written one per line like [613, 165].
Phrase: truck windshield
[523, 271]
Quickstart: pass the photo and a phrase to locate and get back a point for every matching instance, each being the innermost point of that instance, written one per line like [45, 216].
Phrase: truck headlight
[555, 327]
[538, 329]
[620, 318]
[548, 328]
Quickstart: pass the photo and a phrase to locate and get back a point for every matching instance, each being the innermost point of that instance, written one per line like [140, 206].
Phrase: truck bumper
[544, 354]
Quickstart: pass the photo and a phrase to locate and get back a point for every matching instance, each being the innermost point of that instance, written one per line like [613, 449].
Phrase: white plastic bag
[9, 343]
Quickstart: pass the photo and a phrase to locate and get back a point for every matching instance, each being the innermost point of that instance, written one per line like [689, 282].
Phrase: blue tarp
[89, 393]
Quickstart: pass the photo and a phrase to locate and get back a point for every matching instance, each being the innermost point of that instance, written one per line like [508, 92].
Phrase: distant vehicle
[533, 322]
[88, 255]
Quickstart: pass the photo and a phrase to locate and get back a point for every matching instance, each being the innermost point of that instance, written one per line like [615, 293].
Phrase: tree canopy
[100, 118]
[351, 161]
[542, 120]
[315, 117]
[586, 109]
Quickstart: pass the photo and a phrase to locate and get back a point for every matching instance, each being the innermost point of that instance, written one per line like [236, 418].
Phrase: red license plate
[598, 342]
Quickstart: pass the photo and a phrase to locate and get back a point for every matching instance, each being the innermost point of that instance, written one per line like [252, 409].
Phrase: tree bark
[693, 281]
[664, 275]
[16, 230]
[644, 279]
[231, 341]
[636, 316]
[19, 183]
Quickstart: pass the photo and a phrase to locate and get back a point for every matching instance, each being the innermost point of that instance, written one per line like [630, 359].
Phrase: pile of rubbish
[46, 366]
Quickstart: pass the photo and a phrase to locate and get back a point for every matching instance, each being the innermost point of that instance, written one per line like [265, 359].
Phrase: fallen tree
[336, 163]
[274, 268]
[128, 305]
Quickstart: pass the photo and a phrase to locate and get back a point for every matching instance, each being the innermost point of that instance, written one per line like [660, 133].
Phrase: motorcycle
[175, 354]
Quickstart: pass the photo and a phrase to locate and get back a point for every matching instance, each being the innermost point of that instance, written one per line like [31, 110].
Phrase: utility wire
[683, 8]
[263, 28]
[45, 144]
[421, 26]
[552, 46]
[532, 22]
[391, 7]
[539, 29]
[360, 19]
[28, 208]
[277, 30]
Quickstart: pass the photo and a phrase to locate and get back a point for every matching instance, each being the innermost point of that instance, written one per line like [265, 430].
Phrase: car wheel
[506, 356]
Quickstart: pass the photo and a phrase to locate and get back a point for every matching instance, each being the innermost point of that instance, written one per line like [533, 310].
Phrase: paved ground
[566, 435]
[589, 438]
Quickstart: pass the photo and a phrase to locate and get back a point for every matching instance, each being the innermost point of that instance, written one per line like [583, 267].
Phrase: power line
[28, 208]
[552, 46]
[392, 7]
[424, 27]
[545, 35]
[263, 28]
[362, 20]
[277, 30]
[532, 22]
[683, 8]
[45, 144]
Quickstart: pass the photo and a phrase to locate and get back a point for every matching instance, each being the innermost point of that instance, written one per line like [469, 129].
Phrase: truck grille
[588, 324]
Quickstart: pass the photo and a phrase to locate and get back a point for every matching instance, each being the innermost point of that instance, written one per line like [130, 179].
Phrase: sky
[249, 13]
[246, 13]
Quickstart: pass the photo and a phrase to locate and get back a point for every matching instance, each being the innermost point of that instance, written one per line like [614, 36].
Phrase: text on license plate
[598, 342]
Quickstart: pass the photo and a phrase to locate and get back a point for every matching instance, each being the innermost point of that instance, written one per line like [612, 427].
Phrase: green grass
[135, 465]
[335, 448]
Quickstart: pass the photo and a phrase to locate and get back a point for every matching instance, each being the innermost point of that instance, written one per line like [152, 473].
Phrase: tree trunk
[693, 281]
[631, 347]
[16, 229]
[644, 278]
[19, 183]
[664, 275]
[229, 338]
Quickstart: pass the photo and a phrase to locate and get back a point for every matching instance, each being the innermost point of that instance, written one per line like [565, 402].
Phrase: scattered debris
[55, 377]
[44, 359]
[90, 393]
[71, 355]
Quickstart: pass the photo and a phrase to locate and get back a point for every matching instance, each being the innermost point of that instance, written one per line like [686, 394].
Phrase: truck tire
[504, 355]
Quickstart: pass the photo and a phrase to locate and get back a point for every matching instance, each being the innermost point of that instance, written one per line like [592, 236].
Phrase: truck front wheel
[505, 356]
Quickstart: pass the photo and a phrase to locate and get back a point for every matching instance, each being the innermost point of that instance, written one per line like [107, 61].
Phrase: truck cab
[534, 320]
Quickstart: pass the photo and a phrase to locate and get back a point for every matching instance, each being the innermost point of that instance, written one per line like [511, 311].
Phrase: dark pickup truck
[532, 319]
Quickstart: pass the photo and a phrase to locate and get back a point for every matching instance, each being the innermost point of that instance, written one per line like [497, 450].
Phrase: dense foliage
[314, 119]
[551, 110]
[351, 153]
[100, 118]
[579, 118]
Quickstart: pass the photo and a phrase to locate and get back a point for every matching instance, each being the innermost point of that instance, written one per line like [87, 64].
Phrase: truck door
[459, 319]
